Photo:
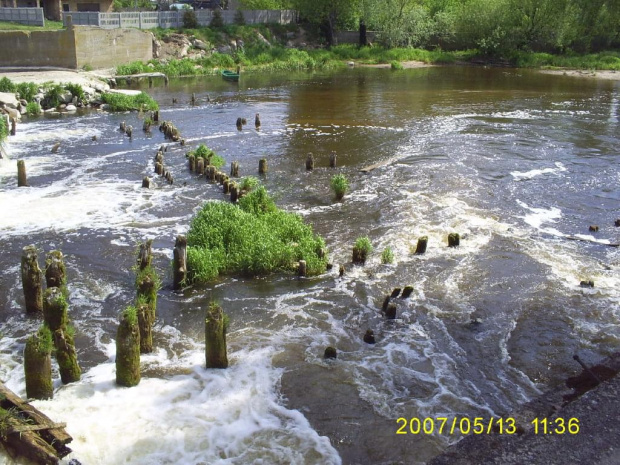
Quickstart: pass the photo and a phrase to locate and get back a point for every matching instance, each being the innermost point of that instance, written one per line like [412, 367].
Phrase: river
[514, 161]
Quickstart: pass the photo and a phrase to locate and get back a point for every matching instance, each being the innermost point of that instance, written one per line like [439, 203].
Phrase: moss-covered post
[390, 312]
[146, 182]
[22, 181]
[262, 166]
[454, 240]
[200, 166]
[234, 193]
[257, 121]
[421, 245]
[145, 325]
[128, 349]
[216, 324]
[147, 285]
[13, 127]
[38, 365]
[179, 262]
[239, 124]
[55, 271]
[302, 271]
[193, 99]
[192, 163]
[57, 320]
[234, 169]
[145, 254]
[310, 162]
[332, 160]
[226, 187]
[31, 280]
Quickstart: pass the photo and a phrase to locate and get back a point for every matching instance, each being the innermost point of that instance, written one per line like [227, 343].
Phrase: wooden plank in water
[29, 444]
[370, 168]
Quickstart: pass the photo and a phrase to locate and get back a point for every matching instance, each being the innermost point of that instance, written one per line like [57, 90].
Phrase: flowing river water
[514, 161]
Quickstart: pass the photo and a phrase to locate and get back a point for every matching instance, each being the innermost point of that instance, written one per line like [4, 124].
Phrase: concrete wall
[30, 16]
[106, 48]
[37, 48]
[75, 47]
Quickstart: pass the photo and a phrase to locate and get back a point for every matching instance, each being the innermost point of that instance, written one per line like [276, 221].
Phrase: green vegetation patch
[131, 315]
[252, 238]
[4, 130]
[209, 155]
[387, 256]
[122, 102]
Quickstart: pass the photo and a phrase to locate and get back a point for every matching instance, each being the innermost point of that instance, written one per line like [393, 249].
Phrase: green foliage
[42, 341]
[130, 314]
[339, 184]
[217, 21]
[121, 102]
[4, 130]
[6, 85]
[239, 19]
[254, 238]
[248, 183]
[210, 157]
[52, 96]
[77, 91]
[27, 90]
[396, 65]
[387, 256]
[363, 245]
[190, 21]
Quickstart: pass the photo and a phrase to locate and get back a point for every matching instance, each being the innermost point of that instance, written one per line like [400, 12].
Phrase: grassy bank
[598, 61]
[49, 26]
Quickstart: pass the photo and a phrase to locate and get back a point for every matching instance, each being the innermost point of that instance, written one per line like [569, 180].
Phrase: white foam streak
[519, 175]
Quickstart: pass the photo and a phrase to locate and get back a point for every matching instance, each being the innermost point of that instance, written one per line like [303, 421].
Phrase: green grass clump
[361, 249]
[27, 90]
[253, 238]
[77, 91]
[387, 256]
[339, 184]
[52, 96]
[33, 109]
[121, 102]
[131, 315]
[4, 130]
[396, 65]
[595, 61]
[6, 85]
[210, 157]
[249, 183]
[49, 26]
[43, 342]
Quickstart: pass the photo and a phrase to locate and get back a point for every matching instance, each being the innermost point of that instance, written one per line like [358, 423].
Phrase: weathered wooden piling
[55, 147]
[146, 182]
[330, 353]
[145, 254]
[244, 121]
[395, 293]
[55, 270]
[13, 127]
[94, 138]
[129, 131]
[123, 126]
[454, 240]
[421, 246]
[262, 166]
[22, 181]
[341, 271]
[145, 326]
[38, 365]
[310, 162]
[369, 337]
[257, 121]
[147, 285]
[226, 187]
[159, 157]
[31, 280]
[234, 193]
[407, 291]
[146, 125]
[589, 283]
[239, 124]
[200, 166]
[386, 302]
[55, 309]
[216, 325]
[179, 262]
[390, 312]
[332, 160]
[128, 349]
[156, 116]
[234, 169]
[192, 163]
[159, 168]
[302, 270]
[193, 101]
[617, 223]
[593, 228]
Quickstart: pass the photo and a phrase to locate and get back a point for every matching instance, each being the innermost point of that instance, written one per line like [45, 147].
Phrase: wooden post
[386, 302]
[234, 169]
[395, 293]
[123, 126]
[146, 182]
[302, 268]
[332, 160]
[159, 168]
[193, 99]
[226, 187]
[390, 312]
[593, 228]
[216, 325]
[310, 162]
[159, 157]
[145, 254]
[234, 193]
[147, 285]
[156, 116]
[421, 246]
[129, 131]
[341, 271]
[192, 163]
[56, 147]
[145, 326]
[369, 337]
[38, 365]
[31, 280]
[239, 124]
[21, 174]
[179, 262]
[454, 240]
[407, 292]
[257, 121]
[200, 166]
[128, 349]
[55, 309]
[262, 166]
[13, 127]
[55, 271]
[211, 173]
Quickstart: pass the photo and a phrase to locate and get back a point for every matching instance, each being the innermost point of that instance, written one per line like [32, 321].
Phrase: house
[52, 8]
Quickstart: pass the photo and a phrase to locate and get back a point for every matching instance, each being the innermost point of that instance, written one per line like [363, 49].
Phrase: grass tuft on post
[387, 256]
[339, 184]
[361, 249]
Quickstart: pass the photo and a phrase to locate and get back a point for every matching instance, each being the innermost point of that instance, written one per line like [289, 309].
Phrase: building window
[65, 7]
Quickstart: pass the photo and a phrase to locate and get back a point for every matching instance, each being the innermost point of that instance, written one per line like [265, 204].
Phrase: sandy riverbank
[600, 74]
[40, 75]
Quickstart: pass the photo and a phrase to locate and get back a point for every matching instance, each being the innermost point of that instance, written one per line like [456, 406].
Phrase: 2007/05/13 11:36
[479, 425]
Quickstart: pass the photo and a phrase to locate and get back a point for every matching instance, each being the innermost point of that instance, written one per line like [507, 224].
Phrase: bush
[6, 85]
[33, 109]
[52, 96]
[361, 249]
[189, 19]
[77, 91]
[396, 65]
[387, 256]
[27, 90]
[239, 20]
[217, 21]
[4, 130]
[253, 238]
[121, 102]
[339, 184]
[210, 157]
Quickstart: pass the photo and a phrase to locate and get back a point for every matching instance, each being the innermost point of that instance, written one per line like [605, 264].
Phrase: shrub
[131, 315]
[77, 91]
[121, 102]
[4, 130]
[254, 238]
[189, 19]
[52, 96]
[6, 85]
[248, 183]
[387, 256]
[210, 157]
[361, 249]
[33, 109]
[339, 184]
[239, 20]
[396, 65]
[27, 90]
[217, 21]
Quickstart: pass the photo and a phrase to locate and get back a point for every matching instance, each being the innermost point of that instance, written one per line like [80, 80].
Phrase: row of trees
[493, 26]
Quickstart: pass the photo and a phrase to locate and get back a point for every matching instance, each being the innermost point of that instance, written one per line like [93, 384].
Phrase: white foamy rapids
[519, 175]
[539, 216]
[203, 416]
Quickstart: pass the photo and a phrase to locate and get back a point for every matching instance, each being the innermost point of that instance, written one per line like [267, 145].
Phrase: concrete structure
[53, 8]
[30, 16]
[75, 47]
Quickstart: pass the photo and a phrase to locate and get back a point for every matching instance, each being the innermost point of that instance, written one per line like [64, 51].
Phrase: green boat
[230, 75]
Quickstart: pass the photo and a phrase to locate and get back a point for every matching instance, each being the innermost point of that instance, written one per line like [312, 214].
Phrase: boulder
[9, 100]
[13, 113]
[261, 38]
[71, 108]
[199, 44]
[65, 96]
[226, 49]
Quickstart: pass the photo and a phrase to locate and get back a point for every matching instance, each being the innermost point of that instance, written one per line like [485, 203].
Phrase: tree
[329, 15]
